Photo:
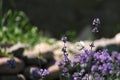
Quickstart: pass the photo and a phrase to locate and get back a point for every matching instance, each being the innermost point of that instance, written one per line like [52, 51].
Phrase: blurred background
[69, 17]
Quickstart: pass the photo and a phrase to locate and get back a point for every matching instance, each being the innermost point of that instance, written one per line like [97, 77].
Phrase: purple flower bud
[82, 71]
[66, 59]
[74, 62]
[65, 70]
[39, 73]
[111, 72]
[64, 39]
[60, 64]
[76, 76]
[92, 44]
[45, 72]
[64, 49]
[95, 29]
[94, 68]
[11, 63]
[96, 22]
[100, 67]
[85, 77]
[35, 73]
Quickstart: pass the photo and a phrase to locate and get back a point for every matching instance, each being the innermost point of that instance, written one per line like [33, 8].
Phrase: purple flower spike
[66, 59]
[96, 22]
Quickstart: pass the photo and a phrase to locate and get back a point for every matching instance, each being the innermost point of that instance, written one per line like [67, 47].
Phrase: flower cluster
[99, 65]
[90, 65]
[39, 73]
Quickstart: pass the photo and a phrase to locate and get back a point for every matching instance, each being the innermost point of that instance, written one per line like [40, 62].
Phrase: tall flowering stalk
[95, 23]
[64, 66]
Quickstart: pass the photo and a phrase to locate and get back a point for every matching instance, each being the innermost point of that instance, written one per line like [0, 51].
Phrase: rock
[117, 38]
[16, 47]
[5, 69]
[42, 48]
[8, 77]
[58, 55]
[17, 50]
[21, 77]
[12, 77]
[39, 50]
[39, 55]
[54, 72]
[36, 61]
[28, 71]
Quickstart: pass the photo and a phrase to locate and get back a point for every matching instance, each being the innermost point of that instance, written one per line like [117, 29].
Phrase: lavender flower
[60, 64]
[84, 57]
[85, 77]
[66, 59]
[65, 72]
[36, 73]
[95, 29]
[74, 62]
[96, 22]
[94, 68]
[101, 65]
[64, 49]
[97, 76]
[76, 76]
[11, 63]
[107, 68]
[64, 39]
[44, 72]
[82, 71]
[39, 73]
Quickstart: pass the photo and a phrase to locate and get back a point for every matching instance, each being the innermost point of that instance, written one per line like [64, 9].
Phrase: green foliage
[70, 34]
[17, 28]
[4, 53]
